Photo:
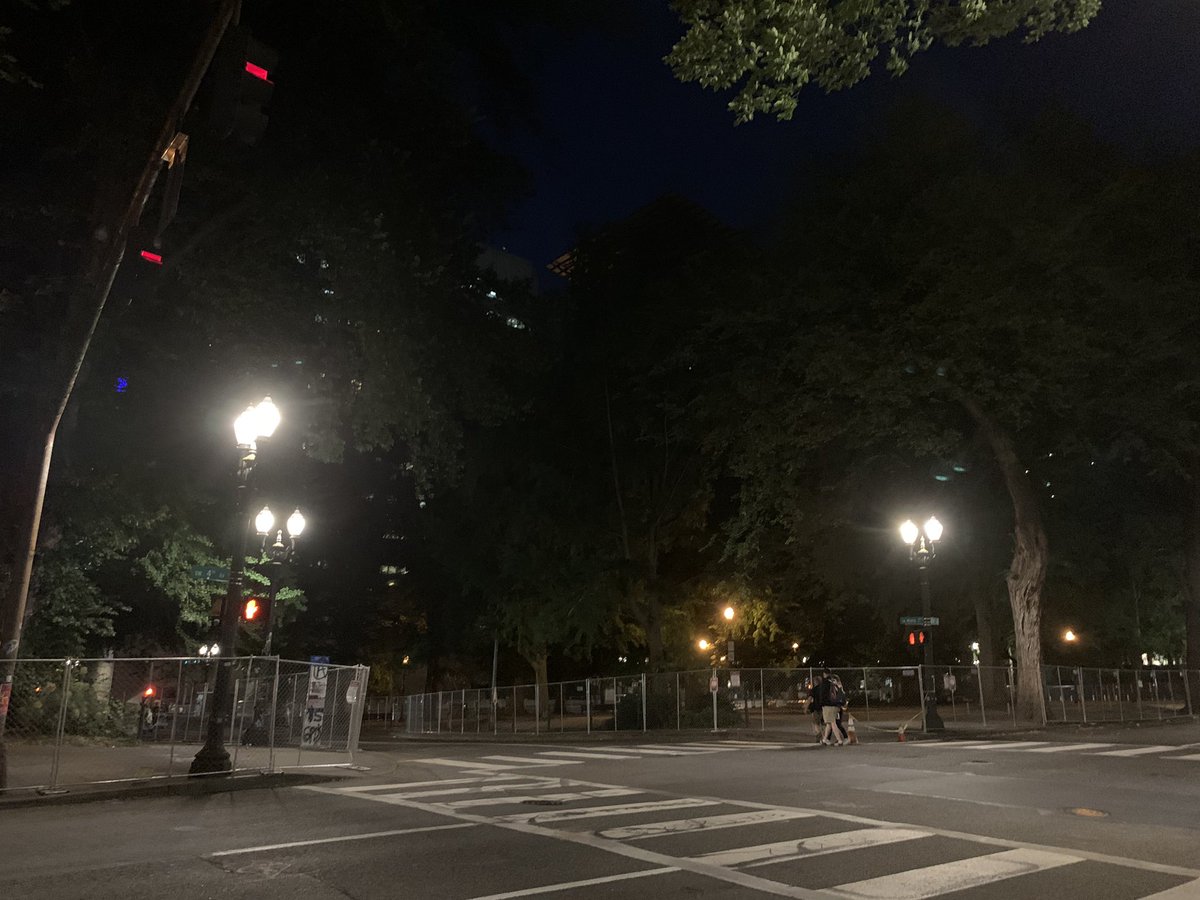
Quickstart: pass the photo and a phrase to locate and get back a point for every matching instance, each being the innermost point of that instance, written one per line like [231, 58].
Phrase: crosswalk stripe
[463, 764]
[702, 823]
[582, 755]
[534, 763]
[1138, 751]
[951, 745]
[536, 798]
[476, 779]
[930, 881]
[596, 812]
[1009, 745]
[1191, 756]
[656, 751]
[475, 789]
[1189, 890]
[819, 845]
[1068, 748]
[764, 745]
[684, 749]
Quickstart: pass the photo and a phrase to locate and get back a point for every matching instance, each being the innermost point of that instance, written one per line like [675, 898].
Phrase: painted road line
[680, 749]
[962, 744]
[760, 744]
[1191, 756]
[597, 812]
[1138, 751]
[819, 845]
[1069, 748]
[262, 848]
[930, 881]
[1189, 890]
[526, 785]
[531, 763]
[582, 755]
[571, 885]
[475, 779]
[702, 823]
[1010, 745]
[463, 764]
[539, 798]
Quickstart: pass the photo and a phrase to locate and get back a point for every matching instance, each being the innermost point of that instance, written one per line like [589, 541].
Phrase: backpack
[835, 696]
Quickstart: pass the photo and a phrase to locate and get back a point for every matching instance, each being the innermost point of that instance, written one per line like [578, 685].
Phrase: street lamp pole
[922, 544]
[256, 423]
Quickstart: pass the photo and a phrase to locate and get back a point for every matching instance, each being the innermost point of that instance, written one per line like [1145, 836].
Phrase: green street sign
[210, 573]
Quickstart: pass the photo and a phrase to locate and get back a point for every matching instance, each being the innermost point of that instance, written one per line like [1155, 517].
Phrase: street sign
[923, 621]
[735, 679]
[712, 684]
[210, 573]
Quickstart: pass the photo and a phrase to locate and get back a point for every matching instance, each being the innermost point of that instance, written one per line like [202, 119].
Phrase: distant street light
[276, 555]
[703, 644]
[1070, 636]
[728, 614]
[795, 645]
[922, 548]
[256, 423]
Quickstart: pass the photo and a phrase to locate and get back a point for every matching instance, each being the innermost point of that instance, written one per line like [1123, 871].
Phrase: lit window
[514, 322]
[389, 570]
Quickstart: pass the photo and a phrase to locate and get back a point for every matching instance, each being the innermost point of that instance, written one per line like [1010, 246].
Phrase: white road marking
[1068, 748]
[346, 837]
[596, 812]
[760, 744]
[1009, 745]
[819, 845]
[583, 755]
[1189, 890]
[571, 885]
[702, 823]
[532, 763]
[930, 881]
[656, 751]
[526, 785]
[952, 745]
[564, 797]
[1191, 756]
[477, 779]
[1138, 751]
[463, 764]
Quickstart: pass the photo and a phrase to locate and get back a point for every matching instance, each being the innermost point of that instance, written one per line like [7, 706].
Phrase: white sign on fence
[314, 706]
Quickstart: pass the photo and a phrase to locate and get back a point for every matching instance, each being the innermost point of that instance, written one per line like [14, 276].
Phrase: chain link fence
[89, 721]
[774, 700]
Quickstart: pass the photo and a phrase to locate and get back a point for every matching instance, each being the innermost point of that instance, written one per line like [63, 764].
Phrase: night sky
[617, 130]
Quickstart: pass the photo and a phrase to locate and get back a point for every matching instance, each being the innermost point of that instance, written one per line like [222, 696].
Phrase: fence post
[62, 723]
[514, 709]
[714, 693]
[867, 693]
[1137, 681]
[587, 699]
[1187, 691]
[1157, 699]
[537, 708]
[1062, 696]
[614, 704]
[175, 717]
[762, 701]
[921, 694]
[1082, 699]
[562, 710]
[271, 728]
[979, 684]
[678, 705]
[1120, 696]
[234, 732]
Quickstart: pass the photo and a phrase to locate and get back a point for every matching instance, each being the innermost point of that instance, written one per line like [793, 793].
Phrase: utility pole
[108, 236]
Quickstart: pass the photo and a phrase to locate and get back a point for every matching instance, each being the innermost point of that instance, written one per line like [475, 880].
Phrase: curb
[182, 786]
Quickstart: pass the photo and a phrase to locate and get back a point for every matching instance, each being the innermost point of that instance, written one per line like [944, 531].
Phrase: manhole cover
[1087, 813]
[542, 802]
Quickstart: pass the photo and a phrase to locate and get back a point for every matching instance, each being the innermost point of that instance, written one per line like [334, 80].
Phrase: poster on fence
[314, 706]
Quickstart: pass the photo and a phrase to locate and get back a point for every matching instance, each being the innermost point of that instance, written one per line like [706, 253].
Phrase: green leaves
[769, 50]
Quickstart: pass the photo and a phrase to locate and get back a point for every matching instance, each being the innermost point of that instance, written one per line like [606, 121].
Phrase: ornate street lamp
[922, 549]
[256, 423]
[276, 554]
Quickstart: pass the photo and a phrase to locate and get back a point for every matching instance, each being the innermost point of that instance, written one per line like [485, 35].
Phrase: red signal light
[148, 692]
[921, 636]
[257, 71]
[149, 256]
[912, 638]
[252, 610]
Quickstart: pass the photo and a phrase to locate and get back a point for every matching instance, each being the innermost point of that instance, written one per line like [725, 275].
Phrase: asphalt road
[1099, 817]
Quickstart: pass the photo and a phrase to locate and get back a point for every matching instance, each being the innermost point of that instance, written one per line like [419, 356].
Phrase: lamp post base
[933, 721]
[211, 761]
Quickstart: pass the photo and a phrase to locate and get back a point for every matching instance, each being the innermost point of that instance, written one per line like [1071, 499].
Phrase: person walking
[833, 698]
[814, 706]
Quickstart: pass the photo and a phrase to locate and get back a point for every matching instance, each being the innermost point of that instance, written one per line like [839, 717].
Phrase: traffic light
[253, 610]
[241, 85]
[915, 638]
[149, 692]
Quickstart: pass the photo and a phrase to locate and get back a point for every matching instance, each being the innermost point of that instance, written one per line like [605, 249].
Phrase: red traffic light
[253, 608]
[149, 691]
[912, 638]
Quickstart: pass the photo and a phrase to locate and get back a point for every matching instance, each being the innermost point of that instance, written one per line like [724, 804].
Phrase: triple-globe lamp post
[922, 549]
[257, 423]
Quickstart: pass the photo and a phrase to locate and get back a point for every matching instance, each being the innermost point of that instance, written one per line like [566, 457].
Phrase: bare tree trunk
[1191, 593]
[1027, 573]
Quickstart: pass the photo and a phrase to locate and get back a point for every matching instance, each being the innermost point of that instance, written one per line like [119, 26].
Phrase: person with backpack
[833, 698]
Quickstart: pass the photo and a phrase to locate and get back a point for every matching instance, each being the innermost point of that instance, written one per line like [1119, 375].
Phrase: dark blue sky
[618, 130]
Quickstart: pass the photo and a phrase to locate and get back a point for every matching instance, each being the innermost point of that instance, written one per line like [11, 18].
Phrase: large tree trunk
[1027, 573]
[1191, 593]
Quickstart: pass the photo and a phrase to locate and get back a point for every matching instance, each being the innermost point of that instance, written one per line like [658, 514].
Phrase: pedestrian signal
[252, 610]
[915, 638]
